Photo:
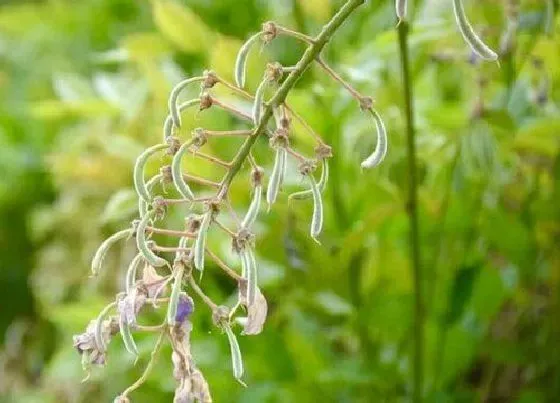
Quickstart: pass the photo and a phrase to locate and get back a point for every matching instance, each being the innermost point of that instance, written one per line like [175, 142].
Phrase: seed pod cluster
[191, 247]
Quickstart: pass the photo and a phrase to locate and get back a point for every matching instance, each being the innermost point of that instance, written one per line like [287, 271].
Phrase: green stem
[412, 209]
[279, 97]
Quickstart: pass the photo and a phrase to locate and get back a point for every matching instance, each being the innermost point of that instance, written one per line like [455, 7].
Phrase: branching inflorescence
[271, 118]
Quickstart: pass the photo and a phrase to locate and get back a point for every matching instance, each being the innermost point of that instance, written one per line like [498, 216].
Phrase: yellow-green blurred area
[83, 90]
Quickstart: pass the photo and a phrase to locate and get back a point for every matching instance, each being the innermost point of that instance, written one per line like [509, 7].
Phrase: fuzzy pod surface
[472, 39]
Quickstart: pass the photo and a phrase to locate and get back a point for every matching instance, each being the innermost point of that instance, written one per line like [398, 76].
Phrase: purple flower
[185, 308]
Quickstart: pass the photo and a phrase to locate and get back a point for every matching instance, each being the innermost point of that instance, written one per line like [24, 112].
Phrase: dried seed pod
[276, 177]
[317, 219]
[254, 207]
[178, 179]
[98, 330]
[126, 335]
[130, 278]
[175, 291]
[200, 242]
[172, 103]
[256, 315]
[142, 243]
[236, 360]
[168, 124]
[322, 184]
[381, 148]
[241, 61]
[142, 205]
[139, 184]
[97, 260]
[259, 101]
[472, 39]
[401, 9]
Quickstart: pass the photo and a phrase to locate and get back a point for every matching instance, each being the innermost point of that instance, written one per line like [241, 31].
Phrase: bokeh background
[83, 90]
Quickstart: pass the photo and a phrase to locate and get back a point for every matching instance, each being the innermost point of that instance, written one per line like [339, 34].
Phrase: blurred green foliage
[83, 89]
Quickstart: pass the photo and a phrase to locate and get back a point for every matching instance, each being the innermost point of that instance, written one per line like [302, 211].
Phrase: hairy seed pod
[244, 262]
[168, 124]
[175, 291]
[139, 184]
[254, 207]
[472, 39]
[98, 330]
[251, 276]
[200, 242]
[401, 9]
[142, 205]
[130, 278]
[236, 360]
[381, 148]
[126, 335]
[178, 179]
[322, 184]
[317, 219]
[259, 101]
[142, 243]
[276, 177]
[101, 252]
[241, 61]
[172, 103]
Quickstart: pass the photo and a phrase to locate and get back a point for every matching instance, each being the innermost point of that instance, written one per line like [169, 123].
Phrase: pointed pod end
[316, 240]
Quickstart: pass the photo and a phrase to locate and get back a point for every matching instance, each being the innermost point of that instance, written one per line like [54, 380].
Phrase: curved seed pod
[241, 60]
[142, 244]
[200, 242]
[168, 124]
[381, 148]
[178, 179]
[322, 184]
[472, 39]
[251, 276]
[276, 177]
[401, 8]
[317, 220]
[254, 207]
[236, 360]
[142, 205]
[174, 298]
[98, 331]
[97, 260]
[172, 103]
[131, 272]
[259, 101]
[126, 335]
[139, 184]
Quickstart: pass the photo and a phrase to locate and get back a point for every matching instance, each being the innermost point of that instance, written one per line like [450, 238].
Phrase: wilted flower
[129, 305]
[184, 308]
[85, 342]
[152, 282]
[256, 312]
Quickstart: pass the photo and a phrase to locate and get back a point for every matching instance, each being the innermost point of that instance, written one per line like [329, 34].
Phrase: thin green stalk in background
[412, 209]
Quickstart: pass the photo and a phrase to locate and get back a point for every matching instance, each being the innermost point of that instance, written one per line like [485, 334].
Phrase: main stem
[412, 209]
[279, 97]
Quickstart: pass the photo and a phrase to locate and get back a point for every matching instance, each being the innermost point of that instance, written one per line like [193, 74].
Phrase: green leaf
[460, 292]
[122, 205]
[181, 26]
